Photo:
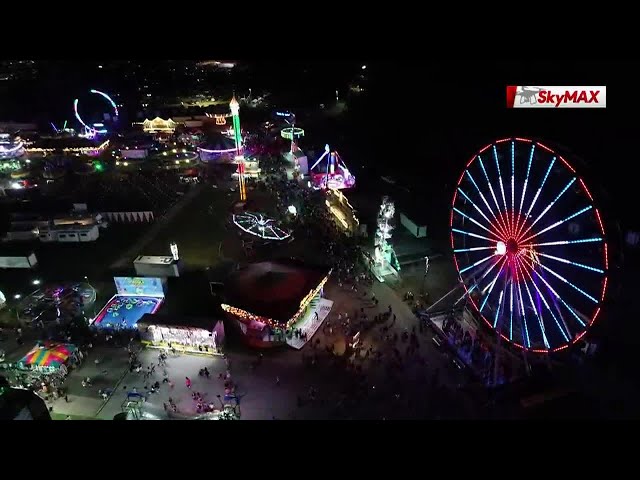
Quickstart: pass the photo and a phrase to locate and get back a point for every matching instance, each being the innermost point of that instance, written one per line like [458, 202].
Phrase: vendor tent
[48, 356]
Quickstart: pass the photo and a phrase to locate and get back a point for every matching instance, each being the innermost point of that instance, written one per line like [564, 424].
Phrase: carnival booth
[48, 357]
[186, 334]
[135, 297]
[272, 303]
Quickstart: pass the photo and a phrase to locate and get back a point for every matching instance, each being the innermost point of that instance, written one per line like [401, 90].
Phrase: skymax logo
[520, 96]
[569, 97]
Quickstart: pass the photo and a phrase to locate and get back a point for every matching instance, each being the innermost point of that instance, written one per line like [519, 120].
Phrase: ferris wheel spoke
[546, 304]
[479, 262]
[548, 207]
[563, 242]
[472, 249]
[554, 225]
[537, 312]
[495, 319]
[569, 262]
[523, 314]
[526, 183]
[478, 210]
[499, 226]
[571, 284]
[504, 200]
[460, 212]
[555, 294]
[511, 310]
[470, 234]
[491, 285]
[513, 185]
[493, 194]
[537, 195]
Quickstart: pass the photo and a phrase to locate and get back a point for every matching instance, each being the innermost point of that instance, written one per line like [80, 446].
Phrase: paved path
[157, 227]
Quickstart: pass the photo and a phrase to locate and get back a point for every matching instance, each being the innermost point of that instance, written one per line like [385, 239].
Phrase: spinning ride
[259, 225]
[530, 250]
[333, 173]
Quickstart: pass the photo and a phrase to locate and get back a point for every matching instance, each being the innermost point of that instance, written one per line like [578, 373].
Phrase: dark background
[419, 121]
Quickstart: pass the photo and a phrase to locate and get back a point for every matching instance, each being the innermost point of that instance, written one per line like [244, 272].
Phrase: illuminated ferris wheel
[529, 245]
[96, 128]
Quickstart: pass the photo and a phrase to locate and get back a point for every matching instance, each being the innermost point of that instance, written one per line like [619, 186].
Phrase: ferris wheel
[96, 128]
[529, 245]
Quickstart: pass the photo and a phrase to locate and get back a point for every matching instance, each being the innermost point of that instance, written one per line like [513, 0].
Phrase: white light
[292, 210]
[27, 161]
[17, 296]
[501, 248]
[36, 282]
[99, 66]
[364, 67]
[16, 185]
[126, 164]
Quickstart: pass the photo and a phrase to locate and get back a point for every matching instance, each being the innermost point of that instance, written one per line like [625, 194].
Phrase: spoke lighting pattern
[531, 254]
[259, 225]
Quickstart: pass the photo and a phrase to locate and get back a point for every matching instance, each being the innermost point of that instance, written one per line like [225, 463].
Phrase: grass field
[198, 230]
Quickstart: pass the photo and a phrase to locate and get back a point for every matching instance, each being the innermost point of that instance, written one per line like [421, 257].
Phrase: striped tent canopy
[48, 354]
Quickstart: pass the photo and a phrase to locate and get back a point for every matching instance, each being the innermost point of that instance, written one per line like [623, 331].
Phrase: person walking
[187, 382]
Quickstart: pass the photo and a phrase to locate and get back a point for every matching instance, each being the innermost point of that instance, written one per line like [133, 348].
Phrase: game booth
[135, 297]
[48, 357]
[203, 336]
[272, 302]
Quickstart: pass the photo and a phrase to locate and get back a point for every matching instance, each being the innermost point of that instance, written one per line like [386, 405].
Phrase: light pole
[426, 270]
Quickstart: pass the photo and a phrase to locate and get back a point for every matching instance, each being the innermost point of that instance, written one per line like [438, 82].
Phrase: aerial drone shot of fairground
[222, 239]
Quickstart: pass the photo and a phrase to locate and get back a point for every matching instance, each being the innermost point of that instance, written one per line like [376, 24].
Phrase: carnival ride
[10, 148]
[530, 252]
[335, 176]
[96, 128]
[259, 225]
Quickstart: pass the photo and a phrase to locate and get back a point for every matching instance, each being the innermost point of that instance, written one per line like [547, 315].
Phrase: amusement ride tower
[235, 112]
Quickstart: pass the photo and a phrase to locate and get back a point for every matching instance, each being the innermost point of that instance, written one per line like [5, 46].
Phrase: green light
[98, 166]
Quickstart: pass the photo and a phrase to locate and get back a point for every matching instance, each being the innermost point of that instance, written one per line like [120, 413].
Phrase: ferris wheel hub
[512, 246]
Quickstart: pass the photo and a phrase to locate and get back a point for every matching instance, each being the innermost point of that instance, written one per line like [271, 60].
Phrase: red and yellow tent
[48, 354]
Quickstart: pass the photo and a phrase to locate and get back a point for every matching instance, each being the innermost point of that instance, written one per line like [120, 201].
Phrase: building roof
[272, 289]
[206, 323]
[155, 260]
